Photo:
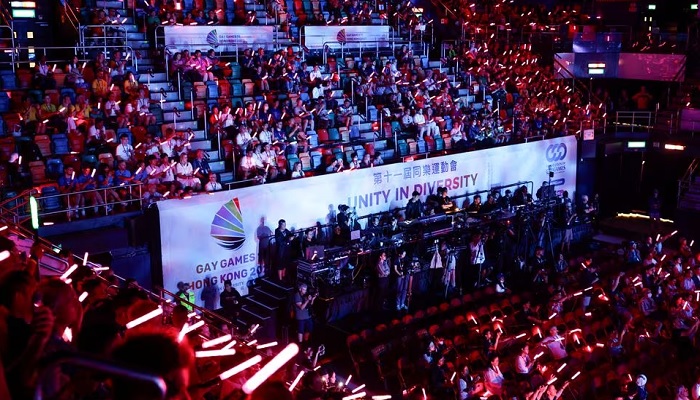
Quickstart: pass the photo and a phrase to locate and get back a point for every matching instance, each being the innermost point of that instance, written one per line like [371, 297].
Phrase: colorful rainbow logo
[227, 226]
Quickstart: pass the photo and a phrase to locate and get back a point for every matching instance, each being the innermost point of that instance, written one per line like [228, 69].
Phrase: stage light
[676, 147]
[636, 144]
[652, 7]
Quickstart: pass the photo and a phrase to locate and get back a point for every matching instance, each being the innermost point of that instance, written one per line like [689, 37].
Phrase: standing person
[401, 269]
[230, 300]
[283, 238]
[414, 208]
[302, 313]
[477, 258]
[383, 272]
[185, 293]
[655, 210]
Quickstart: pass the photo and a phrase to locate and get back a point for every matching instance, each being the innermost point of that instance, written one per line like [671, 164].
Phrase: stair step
[261, 290]
[155, 86]
[258, 313]
[185, 125]
[262, 301]
[185, 115]
[225, 177]
[213, 154]
[170, 104]
[157, 77]
[169, 96]
[118, 5]
[217, 166]
[202, 145]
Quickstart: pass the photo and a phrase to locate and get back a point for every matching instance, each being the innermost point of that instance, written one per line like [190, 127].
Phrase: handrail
[169, 48]
[72, 16]
[77, 49]
[633, 119]
[106, 205]
[203, 310]
[575, 80]
[105, 28]
[377, 47]
[10, 27]
[95, 364]
[686, 179]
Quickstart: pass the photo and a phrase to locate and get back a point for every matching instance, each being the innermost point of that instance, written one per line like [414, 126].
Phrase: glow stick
[578, 294]
[522, 335]
[576, 375]
[691, 242]
[658, 235]
[83, 296]
[85, 259]
[4, 227]
[240, 367]
[296, 381]
[357, 396]
[67, 335]
[561, 368]
[601, 345]
[92, 174]
[215, 353]
[357, 389]
[217, 341]
[425, 396]
[382, 397]
[254, 328]
[189, 328]
[673, 233]
[266, 345]
[72, 175]
[252, 342]
[144, 318]
[538, 355]
[451, 379]
[228, 346]
[553, 315]
[271, 367]
[68, 272]
[4, 255]
[552, 380]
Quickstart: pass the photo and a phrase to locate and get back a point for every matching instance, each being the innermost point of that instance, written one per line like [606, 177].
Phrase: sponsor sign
[218, 37]
[315, 37]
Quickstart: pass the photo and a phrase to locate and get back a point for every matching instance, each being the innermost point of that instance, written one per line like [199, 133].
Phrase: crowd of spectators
[304, 118]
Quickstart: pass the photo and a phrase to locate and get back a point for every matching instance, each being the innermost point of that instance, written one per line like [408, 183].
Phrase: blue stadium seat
[50, 201]
[60, 144]
[54, 168]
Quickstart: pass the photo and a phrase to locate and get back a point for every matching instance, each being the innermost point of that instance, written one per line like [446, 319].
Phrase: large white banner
[370, 36]
[219, 37]
[210, 238]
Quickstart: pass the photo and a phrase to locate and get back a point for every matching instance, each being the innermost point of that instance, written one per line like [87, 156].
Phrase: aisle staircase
[689, 188]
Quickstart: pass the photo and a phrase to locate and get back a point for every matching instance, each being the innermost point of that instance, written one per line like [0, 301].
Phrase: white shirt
[695, 392]
[111, 108]
[152, 171]
[419, 119]
[212, 186]
[555, 344]
[265, 136]
[243, 138]
[169, 176]
[124, 152]
[167, 147]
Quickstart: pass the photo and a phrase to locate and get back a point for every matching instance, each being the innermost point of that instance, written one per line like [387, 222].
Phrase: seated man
[87, 182]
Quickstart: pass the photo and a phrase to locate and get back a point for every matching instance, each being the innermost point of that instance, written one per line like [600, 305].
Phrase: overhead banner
[219, 37]
[211, 238]
[365, 36]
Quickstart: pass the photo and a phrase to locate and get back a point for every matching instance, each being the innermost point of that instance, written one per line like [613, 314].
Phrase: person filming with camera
[302, 312]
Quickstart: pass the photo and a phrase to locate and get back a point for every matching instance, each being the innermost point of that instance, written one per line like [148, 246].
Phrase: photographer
[302, 313]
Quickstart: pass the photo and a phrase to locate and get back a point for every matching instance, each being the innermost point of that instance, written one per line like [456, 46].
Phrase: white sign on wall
[210, 238]
[370, 36]
[218, 37]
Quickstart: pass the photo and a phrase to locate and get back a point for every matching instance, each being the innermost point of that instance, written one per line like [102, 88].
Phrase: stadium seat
[38, 171]
[54, 168]
[89, 159]
[50, 201]
[44, 144]
[60, 144]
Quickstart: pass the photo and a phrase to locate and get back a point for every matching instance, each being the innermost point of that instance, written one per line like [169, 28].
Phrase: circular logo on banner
[227, 226]
[555, 152]
[213, 38]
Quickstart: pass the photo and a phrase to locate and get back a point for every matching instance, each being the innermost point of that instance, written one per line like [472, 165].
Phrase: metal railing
[71, 16]
[68, 199]
[686, 180]
[108, 33]
[10, 41]
[361, 46]
[79, 51]
[629, 121]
